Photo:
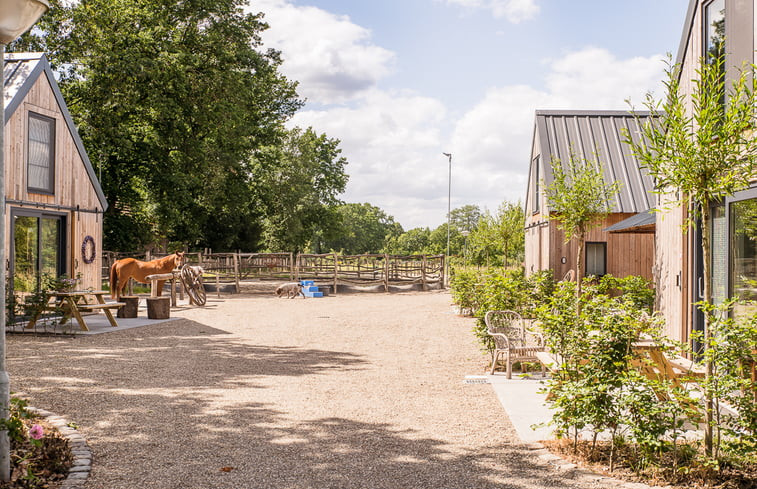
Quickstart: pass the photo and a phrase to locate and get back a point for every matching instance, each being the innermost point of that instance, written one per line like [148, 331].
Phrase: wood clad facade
[676, 270]
[594, 136]
[76, 204]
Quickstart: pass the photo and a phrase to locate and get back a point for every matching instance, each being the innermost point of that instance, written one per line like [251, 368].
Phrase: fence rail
[325, 269]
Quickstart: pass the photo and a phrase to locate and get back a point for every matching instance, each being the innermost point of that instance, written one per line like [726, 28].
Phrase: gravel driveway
[353, 391]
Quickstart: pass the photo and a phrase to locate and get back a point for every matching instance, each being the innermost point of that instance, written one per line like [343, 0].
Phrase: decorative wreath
[88, 255]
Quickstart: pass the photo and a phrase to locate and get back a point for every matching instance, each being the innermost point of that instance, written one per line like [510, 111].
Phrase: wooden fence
[330, 269]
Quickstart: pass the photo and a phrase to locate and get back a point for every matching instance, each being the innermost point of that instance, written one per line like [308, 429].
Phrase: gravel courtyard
[352, 391]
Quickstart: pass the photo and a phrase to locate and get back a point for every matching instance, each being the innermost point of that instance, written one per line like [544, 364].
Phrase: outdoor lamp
[17, 16]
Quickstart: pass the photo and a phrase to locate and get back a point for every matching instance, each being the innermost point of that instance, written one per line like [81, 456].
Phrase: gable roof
[597, 136]
[21, 71]
[688, 25]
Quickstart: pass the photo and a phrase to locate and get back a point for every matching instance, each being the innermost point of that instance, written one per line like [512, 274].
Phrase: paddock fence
[228, 270]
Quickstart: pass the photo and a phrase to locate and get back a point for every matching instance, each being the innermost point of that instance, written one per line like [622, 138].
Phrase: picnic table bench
[73, 303]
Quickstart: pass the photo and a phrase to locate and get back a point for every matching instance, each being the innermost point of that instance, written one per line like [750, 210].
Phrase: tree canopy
[178, 103]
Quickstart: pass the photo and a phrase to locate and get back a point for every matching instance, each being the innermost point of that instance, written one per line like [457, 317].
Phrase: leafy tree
[411, 242]
[578, 200]
[171, 99]
[701, 147]
[465, 218]
[438, 240]
[363, 228]
[298, 183]
[500, 237]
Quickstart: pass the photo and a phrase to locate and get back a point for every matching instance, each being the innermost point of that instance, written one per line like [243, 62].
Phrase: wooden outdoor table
[75, 302]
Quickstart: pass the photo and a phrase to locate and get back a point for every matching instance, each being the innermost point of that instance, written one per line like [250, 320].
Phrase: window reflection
[744, 250]
[714, 30]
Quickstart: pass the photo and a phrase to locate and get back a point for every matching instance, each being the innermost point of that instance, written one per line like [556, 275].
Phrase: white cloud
[393, 140]
[515, 11]
[332, 57]
[494, 138]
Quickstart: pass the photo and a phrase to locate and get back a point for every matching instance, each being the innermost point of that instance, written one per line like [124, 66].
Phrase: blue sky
[400, 82]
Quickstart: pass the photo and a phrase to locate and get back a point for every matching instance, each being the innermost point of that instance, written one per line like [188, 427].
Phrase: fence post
[386, 272]
[444, 277]
[336, 274]
[423, 274]
[236, 269]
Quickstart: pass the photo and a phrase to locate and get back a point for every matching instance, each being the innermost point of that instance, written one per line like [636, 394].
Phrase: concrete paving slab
[97, 324]
[524, 405]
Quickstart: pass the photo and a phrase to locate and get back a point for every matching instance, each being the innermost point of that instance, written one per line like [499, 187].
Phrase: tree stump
[158, 307]
[130, 309]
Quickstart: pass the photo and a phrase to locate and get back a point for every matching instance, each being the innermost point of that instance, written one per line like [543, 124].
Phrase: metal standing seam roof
[21, 71]
[597, 136]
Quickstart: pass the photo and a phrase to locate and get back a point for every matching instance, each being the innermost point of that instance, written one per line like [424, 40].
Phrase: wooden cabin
[54, 204]
[734, 260]
[620, 245]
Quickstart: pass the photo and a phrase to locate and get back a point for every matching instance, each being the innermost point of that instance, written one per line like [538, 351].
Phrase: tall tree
[702, 146]
[579, 199]
[465, 218]
[298, 183]
[170, 98]
[363, 228]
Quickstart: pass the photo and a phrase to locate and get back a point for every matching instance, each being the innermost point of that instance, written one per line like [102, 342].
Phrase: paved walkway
[353, 391]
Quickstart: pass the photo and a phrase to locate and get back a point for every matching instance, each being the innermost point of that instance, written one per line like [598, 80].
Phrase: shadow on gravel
[158, 421]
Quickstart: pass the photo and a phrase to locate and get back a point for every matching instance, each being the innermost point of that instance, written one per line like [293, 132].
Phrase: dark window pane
[714, 30]
[26, 255]
[41, 152]
[744, 249]
[595, 259]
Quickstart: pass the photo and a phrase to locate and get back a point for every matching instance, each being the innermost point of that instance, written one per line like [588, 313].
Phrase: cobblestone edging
[578, 473]
[82, 464]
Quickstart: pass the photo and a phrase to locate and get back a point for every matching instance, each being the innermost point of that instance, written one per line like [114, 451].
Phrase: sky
[399, 82]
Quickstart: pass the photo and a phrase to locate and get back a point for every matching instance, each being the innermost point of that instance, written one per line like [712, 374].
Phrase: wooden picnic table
[75, 302]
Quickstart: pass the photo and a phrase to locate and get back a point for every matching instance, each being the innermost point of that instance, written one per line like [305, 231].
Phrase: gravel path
[354, 391]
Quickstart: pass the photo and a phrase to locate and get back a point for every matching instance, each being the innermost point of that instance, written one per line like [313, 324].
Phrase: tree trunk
[579, 268]
[707, 298]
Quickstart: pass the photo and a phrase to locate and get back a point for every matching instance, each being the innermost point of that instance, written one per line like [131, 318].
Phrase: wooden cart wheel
[192, 282]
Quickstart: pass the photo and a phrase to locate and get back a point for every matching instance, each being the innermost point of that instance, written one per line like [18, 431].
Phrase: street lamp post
[16, 17]
[449, 211]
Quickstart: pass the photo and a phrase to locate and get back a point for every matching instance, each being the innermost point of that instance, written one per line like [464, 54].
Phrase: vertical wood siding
[73, 186]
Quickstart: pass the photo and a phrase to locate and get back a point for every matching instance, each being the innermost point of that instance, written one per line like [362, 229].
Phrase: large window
[38, 248]
[714, 30]
[596, 258]
[743, 262]
[41, 159]
[535, 203]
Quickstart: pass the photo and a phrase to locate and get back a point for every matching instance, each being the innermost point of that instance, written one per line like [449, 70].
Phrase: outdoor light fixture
[16, 17]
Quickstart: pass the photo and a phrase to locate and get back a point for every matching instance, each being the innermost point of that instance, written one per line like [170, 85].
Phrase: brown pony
[122, 270]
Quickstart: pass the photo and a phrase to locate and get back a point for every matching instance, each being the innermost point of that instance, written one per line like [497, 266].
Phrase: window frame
[51, 168]
[705, 28]
[586, 258]
[536, 203]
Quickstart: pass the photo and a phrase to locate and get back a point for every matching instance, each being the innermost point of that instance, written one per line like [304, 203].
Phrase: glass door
[743, 262]
[38, 249]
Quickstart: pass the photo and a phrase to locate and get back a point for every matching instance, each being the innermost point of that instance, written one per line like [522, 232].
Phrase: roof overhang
[641, 223]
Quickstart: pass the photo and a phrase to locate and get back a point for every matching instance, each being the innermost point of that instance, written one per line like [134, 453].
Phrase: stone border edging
[82, 455]
[585, 475]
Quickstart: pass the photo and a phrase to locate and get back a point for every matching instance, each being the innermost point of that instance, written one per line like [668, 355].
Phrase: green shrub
[598, 387]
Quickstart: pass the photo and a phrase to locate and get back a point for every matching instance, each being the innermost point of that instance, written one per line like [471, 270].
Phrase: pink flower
[36, 432]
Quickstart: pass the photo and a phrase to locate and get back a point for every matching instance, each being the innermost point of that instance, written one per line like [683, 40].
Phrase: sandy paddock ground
[349, 391]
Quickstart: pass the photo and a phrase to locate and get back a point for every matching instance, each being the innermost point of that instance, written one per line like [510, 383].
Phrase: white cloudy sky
[398, 82]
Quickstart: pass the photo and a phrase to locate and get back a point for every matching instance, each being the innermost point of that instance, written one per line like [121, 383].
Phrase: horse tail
[113, 282]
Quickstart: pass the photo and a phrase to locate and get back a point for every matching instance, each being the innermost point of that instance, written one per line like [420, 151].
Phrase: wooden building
[54, 203]
[618, 246]
[734, 257]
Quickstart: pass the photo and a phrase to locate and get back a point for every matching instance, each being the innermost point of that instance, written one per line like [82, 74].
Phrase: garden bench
[512, 339]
